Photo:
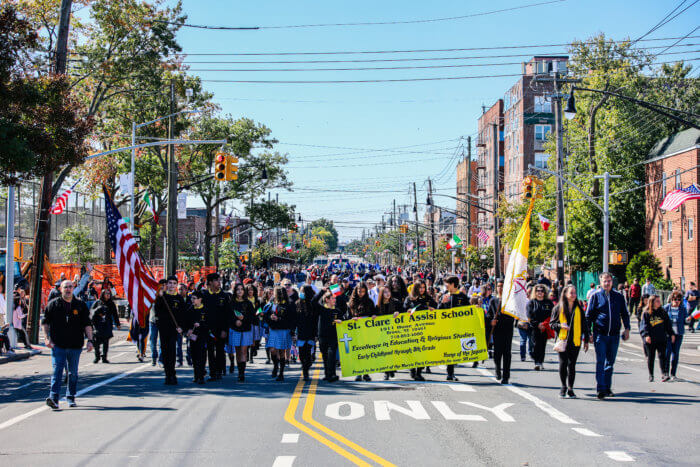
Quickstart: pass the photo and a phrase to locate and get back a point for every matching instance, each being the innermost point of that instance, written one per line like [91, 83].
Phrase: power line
[367, 23]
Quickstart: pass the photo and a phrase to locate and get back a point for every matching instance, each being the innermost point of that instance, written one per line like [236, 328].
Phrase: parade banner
[424, 338]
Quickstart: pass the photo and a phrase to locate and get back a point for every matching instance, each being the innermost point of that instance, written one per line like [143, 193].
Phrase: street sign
[182, 206]
[137, 238]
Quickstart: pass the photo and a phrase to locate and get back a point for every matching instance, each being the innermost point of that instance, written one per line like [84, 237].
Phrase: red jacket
[635, 291]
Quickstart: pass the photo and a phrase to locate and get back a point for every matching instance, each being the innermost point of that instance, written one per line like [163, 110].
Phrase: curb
[19, 356]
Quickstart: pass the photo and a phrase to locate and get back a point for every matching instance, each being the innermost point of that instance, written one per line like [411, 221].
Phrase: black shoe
[562, 393]
[280, 377]
[504, 381]
[104, 360]
[53, 403]
[475, 364]
[665, 378]
[241, 378]
[522, 359]
[651, 378]
[419, 378]
[427, 370]
[413, 373]
[358, 378]
[366, 378]
[386, 376]
[571, 393]
[96, 360]
[601, 395]
[274, 372]
[267, 362]
[231, 368]
[334, 378]
[609, 393]
[179, 364]
[153, 363]
[498, 375]
[200, 381]
[450, 377]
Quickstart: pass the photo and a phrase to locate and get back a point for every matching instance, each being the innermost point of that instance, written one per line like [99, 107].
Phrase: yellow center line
[308, 418]
[289, 417]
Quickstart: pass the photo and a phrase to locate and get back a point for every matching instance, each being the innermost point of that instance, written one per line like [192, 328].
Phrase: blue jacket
[606, 312]
[679, 325]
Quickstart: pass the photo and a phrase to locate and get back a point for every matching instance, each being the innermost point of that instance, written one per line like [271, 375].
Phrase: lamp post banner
[423, 338]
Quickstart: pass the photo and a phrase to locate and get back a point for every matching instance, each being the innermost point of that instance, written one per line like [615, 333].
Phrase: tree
[41, 124]
[228, 255]
[80, 246]
[270, 215]
[150, 239]
[327, 225]
[644, 266]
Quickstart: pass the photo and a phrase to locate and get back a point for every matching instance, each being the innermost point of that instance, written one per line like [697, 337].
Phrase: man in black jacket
[219, 314]
[454, 298]
[66, 321]
[169, 312]
[501, 326]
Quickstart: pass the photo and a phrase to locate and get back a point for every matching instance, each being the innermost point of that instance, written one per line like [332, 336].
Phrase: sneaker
[571, 394]
[358, 378]
[366, 378]
[522, 359]
[504, 381]
[104, 360]
[153, 363]
[52, 403]
[96, 360]
[386, 376]
[651, 378]
[601, 395]
[562, 393]
[665, 378]
[71, 402]
[139, 358]
[674, 378]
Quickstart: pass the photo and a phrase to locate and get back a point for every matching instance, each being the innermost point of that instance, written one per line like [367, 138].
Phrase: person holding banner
[501, 328]
[360, 306]
[328, 316]
[307, 327]
[569, 322]
[419, 300]
[195, 323]
[169, 309]
[539, 309]
[453, 298]
[280, 316]
[240, 335]
[388, 305]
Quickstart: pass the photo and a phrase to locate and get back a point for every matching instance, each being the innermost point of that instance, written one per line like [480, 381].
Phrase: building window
[669, 234]
[541, 160]
[660, 235]
[541, 132]
[678, 179]
[663, 184]
[691, 232]
[542, 104]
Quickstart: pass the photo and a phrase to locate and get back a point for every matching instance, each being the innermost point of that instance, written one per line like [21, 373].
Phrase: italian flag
[288, 247]
[335, 290]
[149, 204]
[544, 222]
[696, 314]
[454, 241]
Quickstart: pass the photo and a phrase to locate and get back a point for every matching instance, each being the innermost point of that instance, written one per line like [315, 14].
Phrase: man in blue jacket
[605, 313]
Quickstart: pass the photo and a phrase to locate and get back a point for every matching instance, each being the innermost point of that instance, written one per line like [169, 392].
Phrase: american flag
[483, 236]
[409, 246]
[139, 286]
[678, 197]
[62, 200]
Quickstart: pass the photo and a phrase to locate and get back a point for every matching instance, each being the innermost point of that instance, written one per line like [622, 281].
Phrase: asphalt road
[126, 416]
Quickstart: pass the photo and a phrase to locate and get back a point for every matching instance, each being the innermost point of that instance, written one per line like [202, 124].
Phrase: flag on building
[139, 285]
[149, 204]
[335, 290]
[453, 242]
[483, 236]
[515, 297]
[544, 222]
[288, 247]
[678, 197]
[62, 200]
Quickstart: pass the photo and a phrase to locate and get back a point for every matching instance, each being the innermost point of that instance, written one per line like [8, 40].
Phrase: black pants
[328, 349]
[167, 348]
[217, 355]
[22, 336]
[634, 304]
[540, 340]
[502, 353]
[101, 341]
[305, 357]
[198, 352]
[656, 347]
[567, 365]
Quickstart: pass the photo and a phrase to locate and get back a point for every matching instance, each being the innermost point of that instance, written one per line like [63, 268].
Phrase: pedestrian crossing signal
[220, 166]
[231, 170]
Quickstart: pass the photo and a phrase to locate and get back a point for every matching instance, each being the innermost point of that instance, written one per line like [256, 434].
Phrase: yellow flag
[514, 300]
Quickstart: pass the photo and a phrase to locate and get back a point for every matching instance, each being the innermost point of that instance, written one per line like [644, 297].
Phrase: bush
[644, 266]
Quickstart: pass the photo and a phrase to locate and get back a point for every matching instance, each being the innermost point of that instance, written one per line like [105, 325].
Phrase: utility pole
[10, 261]
[606, 217]
[43, 219]
[557, 81]
[496, 169]
[431, 208]
[171, 221]
[469, 205]
[415, 211]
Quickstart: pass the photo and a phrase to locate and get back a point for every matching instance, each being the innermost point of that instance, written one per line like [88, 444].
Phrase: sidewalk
[24, 354]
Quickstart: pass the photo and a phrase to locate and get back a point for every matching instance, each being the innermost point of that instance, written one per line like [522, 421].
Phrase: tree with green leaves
[79, 245]
[644, 266]
[326, 224]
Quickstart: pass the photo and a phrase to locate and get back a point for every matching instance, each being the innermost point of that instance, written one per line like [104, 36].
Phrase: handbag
[560, 346]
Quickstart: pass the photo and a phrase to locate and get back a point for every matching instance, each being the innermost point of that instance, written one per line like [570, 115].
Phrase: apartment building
[467, 185]
[489, 149]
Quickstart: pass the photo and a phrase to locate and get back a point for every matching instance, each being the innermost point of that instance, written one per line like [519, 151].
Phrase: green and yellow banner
[424, 338]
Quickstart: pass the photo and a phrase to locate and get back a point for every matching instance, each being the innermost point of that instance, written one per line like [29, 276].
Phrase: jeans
[605, 354]
[60, 359]
[525, 343]
[153, 339]
[672, 352]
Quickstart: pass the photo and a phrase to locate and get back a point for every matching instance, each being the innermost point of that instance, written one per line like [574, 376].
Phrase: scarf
[575, 326]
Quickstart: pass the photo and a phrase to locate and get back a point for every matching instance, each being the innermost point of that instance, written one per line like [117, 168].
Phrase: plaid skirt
[279, 339]
[237, 339]
[257, 332]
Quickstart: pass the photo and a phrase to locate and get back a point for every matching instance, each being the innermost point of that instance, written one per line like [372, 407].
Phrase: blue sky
[355, 123]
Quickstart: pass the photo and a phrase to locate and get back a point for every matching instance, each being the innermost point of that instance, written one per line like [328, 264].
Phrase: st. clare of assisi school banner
[424, 338]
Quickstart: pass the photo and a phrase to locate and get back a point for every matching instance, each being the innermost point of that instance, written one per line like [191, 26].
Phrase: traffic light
[231, 168]
[527, 189]
[220, 167]
[403, 228]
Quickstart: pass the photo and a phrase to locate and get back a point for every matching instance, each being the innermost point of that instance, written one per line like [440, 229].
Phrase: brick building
[672, 236]
[528, 119]
[467, 189]
[489, 171]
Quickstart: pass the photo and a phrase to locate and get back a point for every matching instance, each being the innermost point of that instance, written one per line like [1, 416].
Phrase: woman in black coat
[539, 309]
[307, 328]
[419, 300]
[360, 306]
[104, 316]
